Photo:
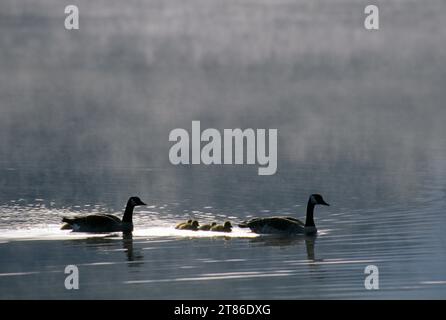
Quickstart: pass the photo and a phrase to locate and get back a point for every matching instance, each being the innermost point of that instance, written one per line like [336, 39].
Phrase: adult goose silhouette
[287, 225]
[104, 222]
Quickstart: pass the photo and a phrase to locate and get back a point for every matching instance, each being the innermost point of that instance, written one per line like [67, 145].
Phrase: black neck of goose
[128, 213]
[309, 221]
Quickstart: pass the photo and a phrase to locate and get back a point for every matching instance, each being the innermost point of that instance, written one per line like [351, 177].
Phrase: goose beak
[324, 203]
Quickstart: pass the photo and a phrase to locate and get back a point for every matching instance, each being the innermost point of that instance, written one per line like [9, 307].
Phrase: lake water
[85, 117]
[373, 220]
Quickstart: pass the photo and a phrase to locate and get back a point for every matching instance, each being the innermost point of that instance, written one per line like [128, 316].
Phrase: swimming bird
[189, 226]
[287, 225]
[183, 223]
[227, 227]
[207, 227]
[104, 222]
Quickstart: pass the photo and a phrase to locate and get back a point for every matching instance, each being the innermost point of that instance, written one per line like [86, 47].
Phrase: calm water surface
[394, 221]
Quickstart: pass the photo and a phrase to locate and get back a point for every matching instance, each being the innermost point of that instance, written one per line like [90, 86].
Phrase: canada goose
[183, 223]
[227, 227]
[104, 222]
[190, 226]
[207, 227]
[287, 224]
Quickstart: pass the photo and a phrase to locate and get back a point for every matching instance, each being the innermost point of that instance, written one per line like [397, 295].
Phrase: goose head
[195, 224]
[135, 201]
[317, 199]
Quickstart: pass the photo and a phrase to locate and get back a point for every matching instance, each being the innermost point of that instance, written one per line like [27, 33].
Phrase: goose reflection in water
[286, 241]
[110, 242]
[127, 244]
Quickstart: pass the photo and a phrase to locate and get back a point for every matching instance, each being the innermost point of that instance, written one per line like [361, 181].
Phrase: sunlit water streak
[53, 232]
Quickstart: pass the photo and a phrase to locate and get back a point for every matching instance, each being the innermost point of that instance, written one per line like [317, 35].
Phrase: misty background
[110, 93]
[78, 106]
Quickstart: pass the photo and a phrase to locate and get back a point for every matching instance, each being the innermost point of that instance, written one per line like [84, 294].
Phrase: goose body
[287, 225]
[277, 224]
[227, 227]
[103, 222]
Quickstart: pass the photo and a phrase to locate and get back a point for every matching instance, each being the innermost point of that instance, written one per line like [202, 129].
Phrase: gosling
[227, 227]
[183, 223]
[190, 226]
[207, 227]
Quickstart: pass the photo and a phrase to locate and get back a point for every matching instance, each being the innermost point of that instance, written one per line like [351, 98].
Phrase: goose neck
[128, 213]
[309, 221]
